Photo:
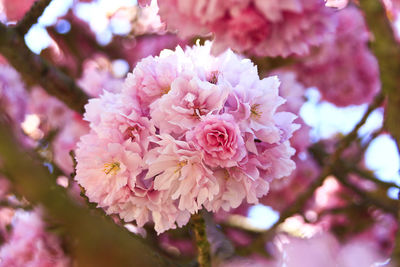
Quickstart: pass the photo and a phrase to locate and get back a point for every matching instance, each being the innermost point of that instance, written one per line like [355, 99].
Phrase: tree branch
[35, 70]
[32, 16]
[94, 240]
[386, 204]
[387, 51]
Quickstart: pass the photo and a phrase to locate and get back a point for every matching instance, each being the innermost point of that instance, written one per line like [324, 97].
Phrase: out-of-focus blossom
[13, 97]
[147, 20]
[325, 250]
[29, 244]
[189, 130]
[15, 10]
[52, 113]
[98, 76]
[66, 141]
[262, 28]
[343, 69]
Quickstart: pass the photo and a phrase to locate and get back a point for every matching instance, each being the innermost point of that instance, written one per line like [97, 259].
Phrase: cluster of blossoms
[323, 249]
[30, 245]
[12, 95]
[262, 28]
[189, 130]
[350, 75]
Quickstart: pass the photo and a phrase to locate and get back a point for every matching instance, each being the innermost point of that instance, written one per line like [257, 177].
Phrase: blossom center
[255, 112]
[213, 78]
[131, 131]
[165, 90]
[180, 165]
[112, 168]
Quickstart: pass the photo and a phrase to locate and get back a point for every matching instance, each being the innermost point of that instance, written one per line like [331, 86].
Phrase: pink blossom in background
[52, 112]
[98, 76]
[29, 245]
[189, 130]
[66, 141]
[344, 70]
[13, 97]
[149, 45]
[325, 250]
[16, 10]
[262, 28]
[284, 192]
[148, 21]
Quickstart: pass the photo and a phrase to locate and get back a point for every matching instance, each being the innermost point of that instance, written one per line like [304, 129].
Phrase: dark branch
[35, 70]
[32, 16]
[94, 240]
[387, 51]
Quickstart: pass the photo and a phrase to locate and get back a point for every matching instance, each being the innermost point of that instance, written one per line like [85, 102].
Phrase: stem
[203, 247]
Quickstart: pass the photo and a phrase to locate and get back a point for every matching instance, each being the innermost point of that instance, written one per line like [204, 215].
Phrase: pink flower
[66, 140]
[13, 97]
[291, 90]
[186, 103]
[104, 169]
[220, 139]
[29, 244]
[325, 250]
[263, 28]
[97, 76]
[344, 70]
[179, 168]
[151, 79]
[16, 10]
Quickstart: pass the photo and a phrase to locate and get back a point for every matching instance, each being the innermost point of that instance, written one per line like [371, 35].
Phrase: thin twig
[386, 204]
[371, 177]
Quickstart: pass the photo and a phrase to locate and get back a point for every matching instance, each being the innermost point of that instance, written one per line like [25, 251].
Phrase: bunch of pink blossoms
[258, 27]
[30, 245]
[343, 69]
[189, 130]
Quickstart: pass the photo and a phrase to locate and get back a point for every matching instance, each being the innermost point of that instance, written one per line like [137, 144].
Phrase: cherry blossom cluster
[189, 130]
[29, 244]
[258, 27]
[350, 75]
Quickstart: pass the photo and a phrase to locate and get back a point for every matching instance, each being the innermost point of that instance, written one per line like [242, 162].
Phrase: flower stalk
[203, 246]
